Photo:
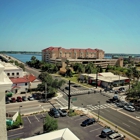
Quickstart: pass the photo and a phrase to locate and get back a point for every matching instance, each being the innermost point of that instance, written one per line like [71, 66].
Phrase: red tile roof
[19, 80]
[30, 77]
[25, 79]
[74, 49]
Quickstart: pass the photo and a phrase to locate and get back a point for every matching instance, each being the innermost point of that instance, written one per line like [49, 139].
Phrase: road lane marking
[126, 114]
[101, 111]
[126, 124]
[29, 120]
[42, 115]
[96, 129]
[37, 118]
[16, 134]
[132, 122]
[107, 110]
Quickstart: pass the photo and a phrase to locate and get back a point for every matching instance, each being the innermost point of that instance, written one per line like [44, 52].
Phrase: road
[110, 112]
[29, 107]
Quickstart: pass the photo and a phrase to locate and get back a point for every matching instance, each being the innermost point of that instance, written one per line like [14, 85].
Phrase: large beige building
[84, 56]
[58, 53]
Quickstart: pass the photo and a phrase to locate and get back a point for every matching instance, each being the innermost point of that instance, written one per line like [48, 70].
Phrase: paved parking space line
[79, 119]
[89, 126]
[16, 134]
[36, 118]
[42, 115]
[29, 120]
[98, 135]
[96, 129]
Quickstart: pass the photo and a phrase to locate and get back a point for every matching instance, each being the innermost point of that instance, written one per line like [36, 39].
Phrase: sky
[33, 25]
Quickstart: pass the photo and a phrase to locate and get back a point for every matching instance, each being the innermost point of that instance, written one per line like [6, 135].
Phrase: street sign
[74, 99]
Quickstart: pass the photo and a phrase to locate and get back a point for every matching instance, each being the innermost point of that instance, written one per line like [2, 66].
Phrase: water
[25, 57]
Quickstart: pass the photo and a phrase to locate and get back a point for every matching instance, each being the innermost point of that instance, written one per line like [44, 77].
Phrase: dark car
[7, 101]
[88, 122]
[106, 132]
[13, 100]
[54, 112]
[19, 99]
[24, 98]
[67, 88]
[62, 112]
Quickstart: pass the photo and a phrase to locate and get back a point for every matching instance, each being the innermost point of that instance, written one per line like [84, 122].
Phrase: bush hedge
[16, 124]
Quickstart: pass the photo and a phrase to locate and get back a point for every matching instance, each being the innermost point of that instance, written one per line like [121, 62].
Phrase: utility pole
[45, 91]
[98, 110]
[97, 78]
[69, 96]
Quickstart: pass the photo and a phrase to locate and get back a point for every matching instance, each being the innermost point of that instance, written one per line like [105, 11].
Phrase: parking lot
[33, 125]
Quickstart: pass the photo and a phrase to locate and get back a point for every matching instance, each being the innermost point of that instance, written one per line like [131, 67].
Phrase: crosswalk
[97, 107]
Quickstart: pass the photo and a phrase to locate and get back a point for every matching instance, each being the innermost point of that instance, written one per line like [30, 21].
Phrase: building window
[69, 54]
[17, 73]
[8, 74]
[12, 73]
[25, 84]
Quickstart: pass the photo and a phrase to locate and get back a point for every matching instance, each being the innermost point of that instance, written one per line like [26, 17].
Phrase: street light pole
[98, 110]
[45, 92]
[19, 109]
[69, 96]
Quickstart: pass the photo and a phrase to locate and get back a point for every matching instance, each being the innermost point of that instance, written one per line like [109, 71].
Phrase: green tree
[50, 124]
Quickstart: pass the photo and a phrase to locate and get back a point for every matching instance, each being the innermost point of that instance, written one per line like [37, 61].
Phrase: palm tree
[129, 74]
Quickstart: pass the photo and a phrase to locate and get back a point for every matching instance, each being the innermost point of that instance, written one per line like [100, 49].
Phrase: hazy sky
[32, 25]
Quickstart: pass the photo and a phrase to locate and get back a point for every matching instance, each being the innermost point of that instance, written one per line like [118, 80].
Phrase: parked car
[115, 136]
[13, 100]
[19, 99]
[122, 89]
[54, 112]
[120, 104]
[106, 132]
[67, 88]
[88, 122]
[30, 98]
[24, 98]
[129, 108]
[7, 101]
[62, 112]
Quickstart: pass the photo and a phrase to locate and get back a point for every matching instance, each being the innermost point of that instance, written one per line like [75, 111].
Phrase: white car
[129, 108]
[30, 98]
[115, 136]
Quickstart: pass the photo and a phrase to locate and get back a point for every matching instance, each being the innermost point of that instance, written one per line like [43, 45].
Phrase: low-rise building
[11, 70]
[63, 134]
[105, 79]
[25, 83]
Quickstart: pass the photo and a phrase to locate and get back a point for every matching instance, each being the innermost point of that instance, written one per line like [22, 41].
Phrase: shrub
[71, 113]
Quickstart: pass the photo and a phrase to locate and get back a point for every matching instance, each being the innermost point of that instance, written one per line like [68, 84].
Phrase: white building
[23, 84]
[105, 79]
[63, 134]
[12, 70]
[5, 84]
